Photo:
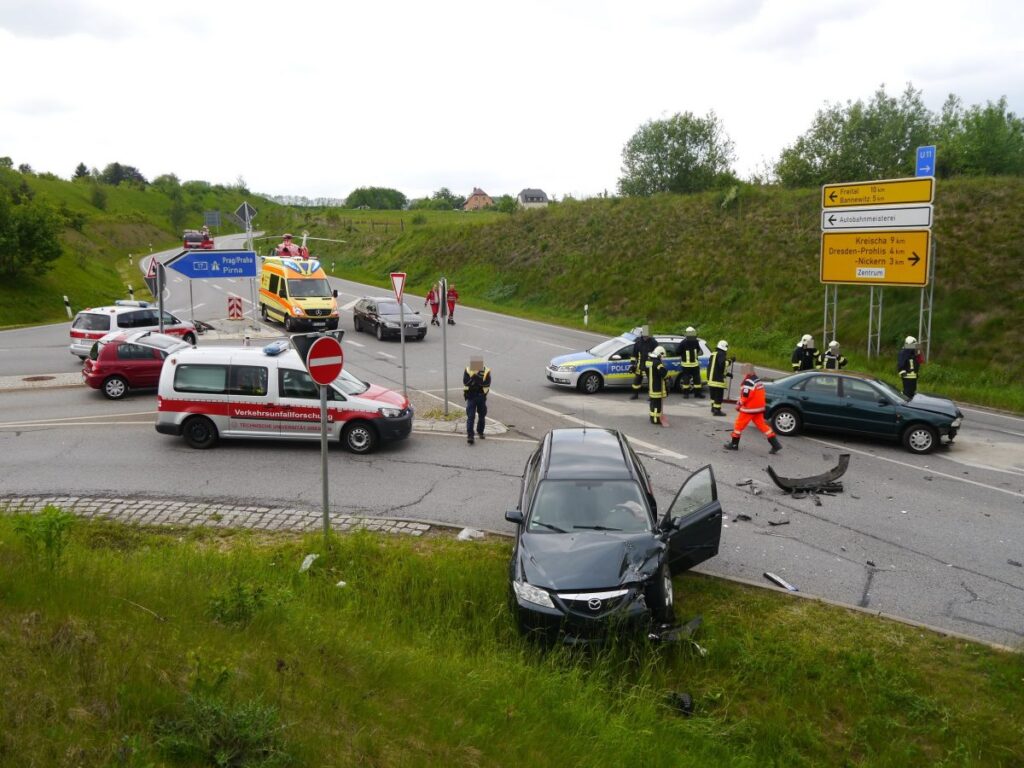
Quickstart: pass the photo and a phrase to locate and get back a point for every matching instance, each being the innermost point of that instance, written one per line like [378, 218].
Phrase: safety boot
[698, 394]
[776, 445]
[733, 445]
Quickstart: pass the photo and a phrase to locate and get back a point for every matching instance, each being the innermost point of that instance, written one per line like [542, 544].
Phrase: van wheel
[115, 388]
[199, 432]
[189, 338]
[359, 437]
[264, 314]
[288, 326]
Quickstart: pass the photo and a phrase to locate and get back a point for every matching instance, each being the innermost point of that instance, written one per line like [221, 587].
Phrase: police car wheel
[920, 438]
[590, 383]
[199, 432]
[189, 338]
[359, 437]
[115, 388]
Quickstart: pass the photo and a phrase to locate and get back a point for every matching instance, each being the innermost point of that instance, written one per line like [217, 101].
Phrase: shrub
[46, 535]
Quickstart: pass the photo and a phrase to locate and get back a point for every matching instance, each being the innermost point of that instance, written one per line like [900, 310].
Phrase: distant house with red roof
[479, 199]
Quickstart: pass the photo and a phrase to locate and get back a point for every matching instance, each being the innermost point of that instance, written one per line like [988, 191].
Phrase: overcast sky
[316, 98]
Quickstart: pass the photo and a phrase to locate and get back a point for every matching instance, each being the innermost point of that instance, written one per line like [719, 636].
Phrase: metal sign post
[444, 338]
[324, 360]
[160, 277]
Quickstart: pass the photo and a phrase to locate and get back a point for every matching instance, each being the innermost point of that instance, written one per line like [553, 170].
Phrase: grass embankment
[189, 647]
[742, 268]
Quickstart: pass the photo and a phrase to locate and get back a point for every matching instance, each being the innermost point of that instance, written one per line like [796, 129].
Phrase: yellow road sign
[886, 257]
[886, 192]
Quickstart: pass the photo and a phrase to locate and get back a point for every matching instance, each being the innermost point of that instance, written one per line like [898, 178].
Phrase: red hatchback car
[128, 360]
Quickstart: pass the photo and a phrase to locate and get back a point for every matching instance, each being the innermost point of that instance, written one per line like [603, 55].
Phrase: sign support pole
[924, 320]
[160, 292]
[875, 321]
[444, 338]
[323, 464]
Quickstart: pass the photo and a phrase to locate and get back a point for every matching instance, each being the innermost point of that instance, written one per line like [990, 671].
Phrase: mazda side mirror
[514, 516]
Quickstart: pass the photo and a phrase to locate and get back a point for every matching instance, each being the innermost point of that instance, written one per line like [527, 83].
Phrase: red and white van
[90, 325]
[213, 392]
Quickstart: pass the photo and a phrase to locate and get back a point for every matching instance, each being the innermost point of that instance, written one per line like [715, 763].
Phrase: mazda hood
[587, 560]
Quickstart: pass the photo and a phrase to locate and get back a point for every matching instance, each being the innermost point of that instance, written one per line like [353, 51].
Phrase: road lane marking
[385, 354]
[351, 304]
[549, 344]
[76, 424]
[73, 418]
[355, 344]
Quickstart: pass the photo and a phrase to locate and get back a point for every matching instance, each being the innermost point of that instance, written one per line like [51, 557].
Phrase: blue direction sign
[925, 161]
[198, 264]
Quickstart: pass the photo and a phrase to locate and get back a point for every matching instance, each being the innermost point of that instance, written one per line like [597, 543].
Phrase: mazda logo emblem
[594, 604]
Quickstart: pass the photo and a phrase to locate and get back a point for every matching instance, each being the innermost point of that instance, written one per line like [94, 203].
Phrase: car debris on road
[825, 482]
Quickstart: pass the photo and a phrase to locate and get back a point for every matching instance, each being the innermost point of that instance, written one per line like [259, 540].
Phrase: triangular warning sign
[398, 283]
[152, 268]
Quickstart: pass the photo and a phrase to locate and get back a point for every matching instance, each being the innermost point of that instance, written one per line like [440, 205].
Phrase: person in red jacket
[751, 407]
[451, 298]
[434, 300]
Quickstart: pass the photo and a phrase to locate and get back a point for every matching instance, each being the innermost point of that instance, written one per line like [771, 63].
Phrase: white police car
[608, 363]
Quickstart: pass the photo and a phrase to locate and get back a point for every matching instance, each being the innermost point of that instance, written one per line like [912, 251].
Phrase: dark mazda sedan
[857, 404]
[591, 551]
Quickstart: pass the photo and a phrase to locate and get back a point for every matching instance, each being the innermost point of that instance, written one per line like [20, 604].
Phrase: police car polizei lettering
[608, 364]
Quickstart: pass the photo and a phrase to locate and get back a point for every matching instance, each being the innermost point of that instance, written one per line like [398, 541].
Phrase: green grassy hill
[741, 266]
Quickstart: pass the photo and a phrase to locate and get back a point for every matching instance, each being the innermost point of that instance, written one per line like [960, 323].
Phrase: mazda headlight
[390, 325]
[391, 413]
[531, 594]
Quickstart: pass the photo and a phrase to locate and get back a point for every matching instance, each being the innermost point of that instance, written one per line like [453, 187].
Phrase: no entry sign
[324, 360]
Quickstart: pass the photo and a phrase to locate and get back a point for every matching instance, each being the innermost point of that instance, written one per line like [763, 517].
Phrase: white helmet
[723, 345]
[691, 331]
[806, 339]
[833, 344]
[658, 351]
[910, 341]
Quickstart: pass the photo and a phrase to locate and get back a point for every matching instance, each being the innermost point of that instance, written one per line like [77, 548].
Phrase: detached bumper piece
[826, 482]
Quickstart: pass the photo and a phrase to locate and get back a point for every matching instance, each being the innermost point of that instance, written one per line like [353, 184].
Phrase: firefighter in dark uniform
[719, 369]
[833, 359]
[908, 363]
[476, 384]
[657, 380]
[642, 347]
[805, 356]
[689, 376]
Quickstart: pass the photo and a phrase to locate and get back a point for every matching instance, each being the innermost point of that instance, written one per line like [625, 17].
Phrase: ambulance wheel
[288, 326]
[115, 388]
[189, 338]
[199, 432]
[590, 383]
[359, 437]
[264, 314]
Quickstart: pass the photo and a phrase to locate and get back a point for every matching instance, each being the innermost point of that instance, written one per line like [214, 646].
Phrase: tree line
[845, 142]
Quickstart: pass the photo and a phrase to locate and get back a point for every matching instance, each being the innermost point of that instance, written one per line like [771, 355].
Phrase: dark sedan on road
[858, 404]
[591, 552]
[382, 316]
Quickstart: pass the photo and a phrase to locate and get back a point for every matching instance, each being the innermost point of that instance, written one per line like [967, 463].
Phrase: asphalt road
[929, 538]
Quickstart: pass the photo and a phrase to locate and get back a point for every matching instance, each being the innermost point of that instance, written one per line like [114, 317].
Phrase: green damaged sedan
[857, 404]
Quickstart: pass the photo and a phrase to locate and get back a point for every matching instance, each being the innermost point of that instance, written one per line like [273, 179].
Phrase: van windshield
[349, 384]
[302, 289]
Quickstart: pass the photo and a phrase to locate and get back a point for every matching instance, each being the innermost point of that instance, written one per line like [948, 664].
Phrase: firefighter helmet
[806, 339]
[723, 345]
[833, 344]
[910, 341]
[691, 331]
[658, 351]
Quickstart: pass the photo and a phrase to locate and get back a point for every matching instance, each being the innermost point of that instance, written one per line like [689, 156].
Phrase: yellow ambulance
[295, 291]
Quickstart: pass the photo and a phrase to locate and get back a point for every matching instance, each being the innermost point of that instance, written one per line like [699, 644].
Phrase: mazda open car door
[694, 522]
